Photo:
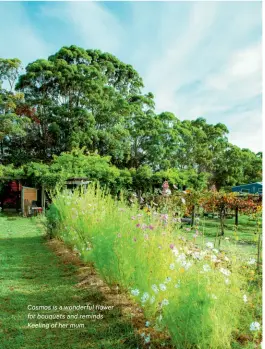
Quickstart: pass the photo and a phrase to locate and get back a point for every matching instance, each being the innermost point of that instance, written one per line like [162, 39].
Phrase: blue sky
[198, 58]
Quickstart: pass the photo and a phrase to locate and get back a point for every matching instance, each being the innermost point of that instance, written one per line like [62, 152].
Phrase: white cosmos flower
[172, 266]
[227, 281]
[213, 258]
[178, 284]
[145, 297]
[168, 279]
[147, 339]
[197, 255]
[175, 251]
[245, 298]
[155, 288]
[135, 292]
[224, 271]
[181, 258]
[254, 326]
[252, 261]
[206, 267]
[209, 245]
[164, 302]
[187, 265]
[162, 287]
[152, 300]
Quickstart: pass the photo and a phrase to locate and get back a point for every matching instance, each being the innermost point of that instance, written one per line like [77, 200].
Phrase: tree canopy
[90, 100]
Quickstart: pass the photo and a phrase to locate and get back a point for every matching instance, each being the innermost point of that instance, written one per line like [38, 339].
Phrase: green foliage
[88, 99]
[197, 300]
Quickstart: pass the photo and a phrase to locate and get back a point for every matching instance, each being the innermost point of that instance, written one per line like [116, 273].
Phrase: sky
[199, 59]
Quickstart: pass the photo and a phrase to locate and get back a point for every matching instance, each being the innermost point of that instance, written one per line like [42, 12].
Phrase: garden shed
[251, 188]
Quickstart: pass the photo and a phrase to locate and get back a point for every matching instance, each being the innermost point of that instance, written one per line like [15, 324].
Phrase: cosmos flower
[178, 284]
[168, 279]
[209, 245]
[206, 267]
[186, 265]
[251, 261]
[145, 297]
[135, 292]
[175, 251]
[213, 258]
[147, 339]
[224, 271]
[181, 258]
[197, 255]
[164, 302]
[164, 217]
[152, 300]
[162, 287]
[245, 298]
[172, 266]
[254, 326]
[155, 288]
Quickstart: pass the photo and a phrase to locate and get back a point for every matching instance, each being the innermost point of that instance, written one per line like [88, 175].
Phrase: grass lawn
[242, 240]
[32, 274]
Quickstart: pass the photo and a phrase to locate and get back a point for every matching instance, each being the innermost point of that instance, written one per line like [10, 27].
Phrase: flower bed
[200, 296]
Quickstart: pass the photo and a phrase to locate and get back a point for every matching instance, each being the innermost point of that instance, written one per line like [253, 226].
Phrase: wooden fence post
[43, 198]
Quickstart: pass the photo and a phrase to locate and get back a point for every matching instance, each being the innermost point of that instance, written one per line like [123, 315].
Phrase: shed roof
[248, 184]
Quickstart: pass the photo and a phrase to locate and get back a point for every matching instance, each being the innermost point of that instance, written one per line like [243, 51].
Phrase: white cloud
[243, 67]
[209, 70]
[247, 130]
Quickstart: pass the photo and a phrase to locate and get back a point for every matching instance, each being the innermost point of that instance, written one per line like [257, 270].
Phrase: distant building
[251, 188]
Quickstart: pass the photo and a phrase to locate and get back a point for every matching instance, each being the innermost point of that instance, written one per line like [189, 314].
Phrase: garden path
[36, 272]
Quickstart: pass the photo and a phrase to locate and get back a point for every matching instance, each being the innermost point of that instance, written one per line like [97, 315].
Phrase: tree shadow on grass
[31, 274]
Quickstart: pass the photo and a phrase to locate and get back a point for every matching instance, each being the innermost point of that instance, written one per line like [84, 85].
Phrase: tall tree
[11, 124]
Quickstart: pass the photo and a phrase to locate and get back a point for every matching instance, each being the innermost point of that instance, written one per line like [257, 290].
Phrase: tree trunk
[222, 221]
[193, 216]
[236, 216]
